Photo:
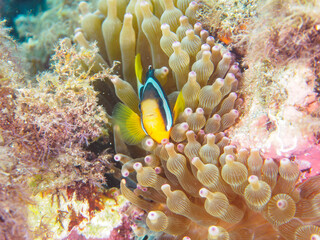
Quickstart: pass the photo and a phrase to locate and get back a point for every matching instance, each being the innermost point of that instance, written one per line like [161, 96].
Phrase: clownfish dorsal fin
[129, 123]
[138, 71]
[178, 106]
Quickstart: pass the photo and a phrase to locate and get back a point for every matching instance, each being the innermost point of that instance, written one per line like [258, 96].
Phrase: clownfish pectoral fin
[138, 71]
[129, 123]
[178, 106]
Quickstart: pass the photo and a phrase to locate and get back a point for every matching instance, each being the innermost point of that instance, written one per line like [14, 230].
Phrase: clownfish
[156, 118]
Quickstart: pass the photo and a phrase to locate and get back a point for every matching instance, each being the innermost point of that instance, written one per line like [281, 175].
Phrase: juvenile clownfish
[156, 118]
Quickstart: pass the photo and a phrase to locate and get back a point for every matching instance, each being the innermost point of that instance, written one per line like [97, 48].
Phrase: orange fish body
[152, 120]
[156, 117]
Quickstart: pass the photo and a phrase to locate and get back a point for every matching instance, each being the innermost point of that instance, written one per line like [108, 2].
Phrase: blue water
[10, 9]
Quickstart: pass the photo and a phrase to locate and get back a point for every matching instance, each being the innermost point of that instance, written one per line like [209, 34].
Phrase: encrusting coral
[281, 54]
[227, 20]
[195, 185]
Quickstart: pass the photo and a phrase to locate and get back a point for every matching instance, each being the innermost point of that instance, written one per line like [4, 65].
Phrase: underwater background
[242, 159]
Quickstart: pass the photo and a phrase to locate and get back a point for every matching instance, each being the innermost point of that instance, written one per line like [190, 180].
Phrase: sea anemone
[195, 184]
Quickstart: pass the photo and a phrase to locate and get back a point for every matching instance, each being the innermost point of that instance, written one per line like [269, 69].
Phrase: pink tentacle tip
[231, 75]
[215, 48]
[282, 204]
[152, 215]
[201, 132]
[210, 135]
[227, 54]
[147, 159]
[210, 38]
[213, 230]
[149, 142]
[252, 179]
[143, 189]
[192, 73]
[176, 44]
[157, 170]
[197, 25]
[117, 158]
[217, 117]
[165, 26]
[203, 192]
[194, 160]
[137, 166]
[236, 112]
[125, 173]
[164, 141]
[235, 67]
[188, 111]
[116, 194]
[199, 111]
[185, 125]
[180, 147]
[182, 18]
[189, 132]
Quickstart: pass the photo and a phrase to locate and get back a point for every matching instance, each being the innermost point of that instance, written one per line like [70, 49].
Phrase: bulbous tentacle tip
[165, 27]
[169, 145]
[142, 188]
[153, 215]
[199, 111]
[190, 133]
[253, 179]
[158, 170]
[188, 111]
[149, 142]
[195, 160]
[192, 75]
[184, 126]
[176, 45]
[166, 189]
[203, 192]
[137, 166]
[230, 159]
[180, 147]
[164, 141]
[147, 159]
[125, 173]
[117, 157]
[315, 237]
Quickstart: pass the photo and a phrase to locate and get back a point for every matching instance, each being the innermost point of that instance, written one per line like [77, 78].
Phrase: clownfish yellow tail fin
[178, 106]
[138, 69]
[129, 123]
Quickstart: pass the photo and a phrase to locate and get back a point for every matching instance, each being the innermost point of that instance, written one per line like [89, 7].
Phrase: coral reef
[53, 175]
[81, 210]
[281, 50]
[227, 20]
[196, 185]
